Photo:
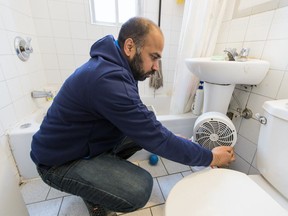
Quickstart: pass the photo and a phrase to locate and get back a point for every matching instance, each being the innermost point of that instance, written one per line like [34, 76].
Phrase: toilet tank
[272, 151]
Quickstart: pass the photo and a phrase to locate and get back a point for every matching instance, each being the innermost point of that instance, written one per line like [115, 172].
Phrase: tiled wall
[265, 32]
[17, 78]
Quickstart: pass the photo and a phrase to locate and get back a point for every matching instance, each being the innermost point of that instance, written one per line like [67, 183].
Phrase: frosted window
[113, 12]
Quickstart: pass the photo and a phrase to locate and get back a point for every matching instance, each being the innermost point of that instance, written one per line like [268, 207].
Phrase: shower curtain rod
[159, 13]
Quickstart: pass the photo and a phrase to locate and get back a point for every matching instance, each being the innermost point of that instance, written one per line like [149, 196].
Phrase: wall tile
[54, 76]
[66, 62]
[256, 48]
[94, 32]
[15, 88]
[81, 47]
[275, 52]
[7, 116]
[47, 45]
[279, 27]
[4, 43]
[50, 61]
[8, 19]
[81, 59]
[239, 99]
[39, 8]
[245, 148]
[43, 27]
[238, 29]
[250, 129]
[1, 74]
[1, 21]
[5, 95]
[58, 10]
[61, 28]
[240, 165]
[259, 26]
[78, 30]
[1, 131]
[270, 85]
[26, 84]
[64, 46]
[283, 91]
[283, 3]
[65, 73]
[23, 107]
[256, 102]
[253, 171]
[9, 69]
[76, 12]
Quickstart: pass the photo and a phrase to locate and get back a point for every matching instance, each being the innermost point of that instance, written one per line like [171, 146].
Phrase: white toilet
[224, 192]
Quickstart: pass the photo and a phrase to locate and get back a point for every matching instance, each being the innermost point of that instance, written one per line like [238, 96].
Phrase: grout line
[60, 206]
[48, 193]
[161, 190]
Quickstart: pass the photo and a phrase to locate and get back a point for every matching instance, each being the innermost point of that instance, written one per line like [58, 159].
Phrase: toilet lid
[220, 192]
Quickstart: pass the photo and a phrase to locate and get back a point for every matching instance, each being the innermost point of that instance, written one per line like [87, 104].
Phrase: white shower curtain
[200, 27]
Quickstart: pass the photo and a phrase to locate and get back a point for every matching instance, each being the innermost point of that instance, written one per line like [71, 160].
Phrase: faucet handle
[244, 52]
[28, 47]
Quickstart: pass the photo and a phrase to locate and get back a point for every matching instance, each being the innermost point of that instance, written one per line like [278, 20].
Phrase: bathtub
[11, 200]
[20, 136]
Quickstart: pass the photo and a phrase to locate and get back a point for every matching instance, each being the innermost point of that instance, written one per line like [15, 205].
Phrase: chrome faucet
[231, 53]
[234, 56]
[42, 94]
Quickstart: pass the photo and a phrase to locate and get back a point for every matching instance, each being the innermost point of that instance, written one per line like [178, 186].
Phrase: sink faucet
[231, 53]
[234, 56]
[42, 94]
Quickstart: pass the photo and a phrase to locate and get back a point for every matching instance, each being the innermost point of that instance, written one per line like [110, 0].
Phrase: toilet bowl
[223, 192]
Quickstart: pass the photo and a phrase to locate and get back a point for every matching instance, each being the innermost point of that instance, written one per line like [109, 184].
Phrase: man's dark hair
[136, 28]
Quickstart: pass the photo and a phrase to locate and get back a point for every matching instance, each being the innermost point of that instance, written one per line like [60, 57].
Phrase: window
[113, 12]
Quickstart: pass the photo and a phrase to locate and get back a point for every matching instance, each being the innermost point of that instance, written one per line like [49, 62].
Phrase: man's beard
[136, 65]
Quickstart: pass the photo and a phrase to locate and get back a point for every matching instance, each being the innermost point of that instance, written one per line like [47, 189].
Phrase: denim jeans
[107, 179]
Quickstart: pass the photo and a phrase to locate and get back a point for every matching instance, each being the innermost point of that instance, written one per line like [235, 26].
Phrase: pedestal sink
[220, 78]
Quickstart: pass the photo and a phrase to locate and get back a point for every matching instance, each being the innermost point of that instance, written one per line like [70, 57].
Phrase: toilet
[224, 192]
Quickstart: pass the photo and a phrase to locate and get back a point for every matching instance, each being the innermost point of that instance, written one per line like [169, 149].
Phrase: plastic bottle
[198, 100]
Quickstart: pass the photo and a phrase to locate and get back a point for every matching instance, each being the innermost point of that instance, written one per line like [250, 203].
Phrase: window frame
[117, 22]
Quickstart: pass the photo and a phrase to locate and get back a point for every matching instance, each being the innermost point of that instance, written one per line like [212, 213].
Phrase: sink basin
[220, 78]
[251, 72]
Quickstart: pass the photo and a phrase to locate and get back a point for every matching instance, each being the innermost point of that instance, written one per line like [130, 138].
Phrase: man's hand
[222, 156]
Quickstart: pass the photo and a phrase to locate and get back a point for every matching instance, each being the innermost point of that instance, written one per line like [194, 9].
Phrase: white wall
[265, 31]
[17, 78]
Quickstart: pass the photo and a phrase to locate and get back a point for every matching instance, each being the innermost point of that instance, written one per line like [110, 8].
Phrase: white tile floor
[42, 200]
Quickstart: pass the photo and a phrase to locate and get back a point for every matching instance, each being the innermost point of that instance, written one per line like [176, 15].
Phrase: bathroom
[61, 35]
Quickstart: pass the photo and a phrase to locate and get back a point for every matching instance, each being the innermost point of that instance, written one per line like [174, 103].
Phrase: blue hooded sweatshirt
[97, 106]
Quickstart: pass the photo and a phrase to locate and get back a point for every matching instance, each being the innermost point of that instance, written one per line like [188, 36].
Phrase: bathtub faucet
[42, 94]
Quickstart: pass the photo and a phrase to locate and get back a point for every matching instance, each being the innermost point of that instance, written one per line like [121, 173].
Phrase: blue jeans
[107, 179]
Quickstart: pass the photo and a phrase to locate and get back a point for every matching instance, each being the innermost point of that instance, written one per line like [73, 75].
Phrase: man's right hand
[222, 156]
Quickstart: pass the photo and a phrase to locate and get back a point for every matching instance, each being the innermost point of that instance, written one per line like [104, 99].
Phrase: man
[98, 120]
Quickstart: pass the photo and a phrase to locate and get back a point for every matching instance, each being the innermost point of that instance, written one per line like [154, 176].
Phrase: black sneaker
[97, 210]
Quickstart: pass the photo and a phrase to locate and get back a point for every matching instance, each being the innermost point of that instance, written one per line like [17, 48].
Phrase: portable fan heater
[213, 129]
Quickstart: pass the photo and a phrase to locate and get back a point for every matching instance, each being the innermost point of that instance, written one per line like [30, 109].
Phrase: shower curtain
[200, 27]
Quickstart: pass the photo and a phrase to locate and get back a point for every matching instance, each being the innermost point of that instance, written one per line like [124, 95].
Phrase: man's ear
[129, 47]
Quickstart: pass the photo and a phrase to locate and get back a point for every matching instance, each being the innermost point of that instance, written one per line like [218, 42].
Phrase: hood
[108, 49]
